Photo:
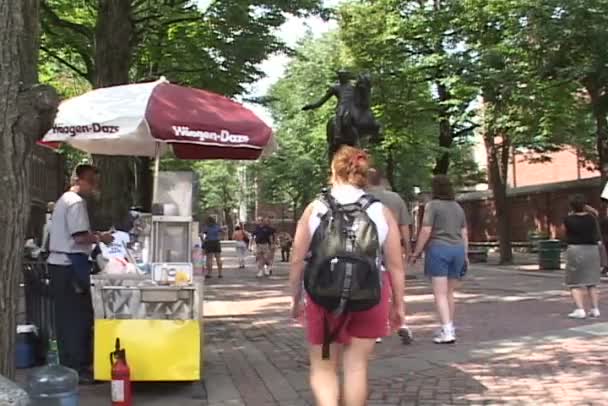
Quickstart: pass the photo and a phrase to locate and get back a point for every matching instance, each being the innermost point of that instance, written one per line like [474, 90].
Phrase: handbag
[601, 245]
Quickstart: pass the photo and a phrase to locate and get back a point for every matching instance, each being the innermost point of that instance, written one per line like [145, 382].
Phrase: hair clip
[361, 156]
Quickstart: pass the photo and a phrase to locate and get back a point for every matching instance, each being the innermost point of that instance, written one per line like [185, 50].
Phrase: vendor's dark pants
[73, 319]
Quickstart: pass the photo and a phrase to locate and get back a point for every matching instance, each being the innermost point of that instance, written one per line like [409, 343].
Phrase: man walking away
[285, 241]
[71, 241]
[264, 236]
[398, 208]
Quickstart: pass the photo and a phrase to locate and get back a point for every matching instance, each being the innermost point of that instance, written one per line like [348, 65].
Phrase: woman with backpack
[347, 264]
[444, 239]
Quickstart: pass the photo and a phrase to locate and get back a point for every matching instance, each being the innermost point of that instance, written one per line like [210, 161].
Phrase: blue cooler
[25, 354]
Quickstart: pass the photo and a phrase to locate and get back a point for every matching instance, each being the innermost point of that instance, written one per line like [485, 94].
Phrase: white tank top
[348, 194]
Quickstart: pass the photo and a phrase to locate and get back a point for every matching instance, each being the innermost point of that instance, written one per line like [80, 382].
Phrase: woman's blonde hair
[351, 165]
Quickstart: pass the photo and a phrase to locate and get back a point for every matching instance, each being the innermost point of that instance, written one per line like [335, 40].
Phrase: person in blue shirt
[211, 244]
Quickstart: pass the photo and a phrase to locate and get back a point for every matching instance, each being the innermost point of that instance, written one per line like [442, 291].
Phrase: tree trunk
[145, 183]
[601, 126]
[498, 166]
[446, 138]
[113, 39]
[294, 211]
[27, 111]
[229, 222]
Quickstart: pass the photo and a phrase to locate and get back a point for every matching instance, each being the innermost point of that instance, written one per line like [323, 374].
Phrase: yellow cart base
[157, 350]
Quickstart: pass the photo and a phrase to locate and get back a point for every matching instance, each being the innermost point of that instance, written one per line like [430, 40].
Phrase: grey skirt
[582, 266]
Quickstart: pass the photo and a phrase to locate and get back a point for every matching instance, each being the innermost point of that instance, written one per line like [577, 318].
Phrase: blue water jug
[53, 384]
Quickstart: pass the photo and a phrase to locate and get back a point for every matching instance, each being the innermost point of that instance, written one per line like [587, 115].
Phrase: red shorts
[372, 323]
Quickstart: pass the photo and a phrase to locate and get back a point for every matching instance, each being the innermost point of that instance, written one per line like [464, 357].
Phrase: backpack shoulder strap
[366, 201]
[328, 200]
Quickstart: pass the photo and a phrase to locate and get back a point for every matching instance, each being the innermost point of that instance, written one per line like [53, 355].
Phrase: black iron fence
[38, 303]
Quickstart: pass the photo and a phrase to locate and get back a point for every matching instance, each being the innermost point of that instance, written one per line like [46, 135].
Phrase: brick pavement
[515, 347]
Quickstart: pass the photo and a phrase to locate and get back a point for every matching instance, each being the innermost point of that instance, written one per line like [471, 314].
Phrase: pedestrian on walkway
[582, 257]
[354, 332]
[212, 236]
[377, 188]
[242, 244]
[264, 236]
[70, 243]
[285, 242]
[443, 238]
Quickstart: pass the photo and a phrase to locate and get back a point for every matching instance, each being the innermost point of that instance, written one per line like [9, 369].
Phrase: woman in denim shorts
[444, 239]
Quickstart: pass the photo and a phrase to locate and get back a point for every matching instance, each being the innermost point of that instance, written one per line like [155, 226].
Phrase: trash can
[535, 237]
[549, 254]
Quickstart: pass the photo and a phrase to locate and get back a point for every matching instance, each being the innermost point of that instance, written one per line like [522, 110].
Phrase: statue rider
[344, 91]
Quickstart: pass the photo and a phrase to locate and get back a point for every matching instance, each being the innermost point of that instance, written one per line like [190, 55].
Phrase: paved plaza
[515, 347]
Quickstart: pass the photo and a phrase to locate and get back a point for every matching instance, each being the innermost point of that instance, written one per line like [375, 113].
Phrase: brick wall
[533, 208]
[561, 166]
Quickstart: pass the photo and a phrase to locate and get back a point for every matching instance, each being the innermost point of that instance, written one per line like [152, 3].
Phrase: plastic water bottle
[198, 260]
[53, 384]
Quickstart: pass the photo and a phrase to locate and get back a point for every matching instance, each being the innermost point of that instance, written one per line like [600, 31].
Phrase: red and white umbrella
[149, 119]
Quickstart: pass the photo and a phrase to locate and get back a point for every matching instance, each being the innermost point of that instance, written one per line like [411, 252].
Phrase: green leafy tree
[568, 42]
[519, 109]
[298, 171]
[413, 45]
[111, 42]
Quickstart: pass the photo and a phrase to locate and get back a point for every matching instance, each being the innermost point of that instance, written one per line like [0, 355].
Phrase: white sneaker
[260, 274]
[577, 314]
[378, 340]
[439, 331]
[267, 271]
[445, 337]
[594, 312]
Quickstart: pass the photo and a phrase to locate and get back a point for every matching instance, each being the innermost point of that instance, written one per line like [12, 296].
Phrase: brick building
[562, 166]
[538, 191]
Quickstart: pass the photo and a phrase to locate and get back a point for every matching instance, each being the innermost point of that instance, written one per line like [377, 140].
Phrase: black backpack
[342, 273]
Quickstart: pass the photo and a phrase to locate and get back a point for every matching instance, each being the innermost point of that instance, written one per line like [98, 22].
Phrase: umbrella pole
[156, 171]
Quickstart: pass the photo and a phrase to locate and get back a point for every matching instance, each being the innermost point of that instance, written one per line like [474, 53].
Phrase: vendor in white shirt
[71, 242]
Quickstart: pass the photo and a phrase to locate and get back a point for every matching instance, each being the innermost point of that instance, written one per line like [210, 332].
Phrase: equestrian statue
[353, 119]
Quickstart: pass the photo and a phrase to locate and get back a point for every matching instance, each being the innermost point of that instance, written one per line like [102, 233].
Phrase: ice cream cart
[157, 311]
[157, 315]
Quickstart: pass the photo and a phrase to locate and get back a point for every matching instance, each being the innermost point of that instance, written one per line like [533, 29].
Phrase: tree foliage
[520, 108]
[112, 42]
[299, 170]
[416, 49]
[219, 48]
[402, 101]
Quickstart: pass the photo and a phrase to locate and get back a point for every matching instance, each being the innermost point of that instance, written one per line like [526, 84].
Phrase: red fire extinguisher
[121, 377]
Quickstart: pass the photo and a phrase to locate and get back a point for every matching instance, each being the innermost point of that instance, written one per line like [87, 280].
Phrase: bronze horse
[357, 123]
[353, 119]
